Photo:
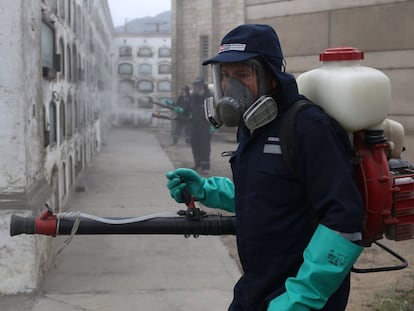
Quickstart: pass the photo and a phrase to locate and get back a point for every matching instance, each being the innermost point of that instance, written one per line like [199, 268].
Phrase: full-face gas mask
[233, 103]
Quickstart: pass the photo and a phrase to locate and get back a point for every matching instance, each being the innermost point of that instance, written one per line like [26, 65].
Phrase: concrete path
[133, 272]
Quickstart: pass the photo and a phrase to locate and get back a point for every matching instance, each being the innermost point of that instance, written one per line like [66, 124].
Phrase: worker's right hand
[185, 178]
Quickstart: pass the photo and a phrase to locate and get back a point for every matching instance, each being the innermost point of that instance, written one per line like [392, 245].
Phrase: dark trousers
[201, 147]
[181, 126]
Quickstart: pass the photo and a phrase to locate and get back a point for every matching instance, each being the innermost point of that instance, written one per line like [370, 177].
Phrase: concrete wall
[22, 182]
[381, 28]
[192, 19]
[33, 172]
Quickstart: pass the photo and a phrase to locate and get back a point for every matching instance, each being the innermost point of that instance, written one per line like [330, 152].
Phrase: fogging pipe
[53, 225]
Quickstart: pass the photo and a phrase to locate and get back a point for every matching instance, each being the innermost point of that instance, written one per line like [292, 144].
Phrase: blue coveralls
[182, 120]
[274, 208]
[200, 133]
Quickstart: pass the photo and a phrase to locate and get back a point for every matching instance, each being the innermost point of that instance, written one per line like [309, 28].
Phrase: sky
[131, 9]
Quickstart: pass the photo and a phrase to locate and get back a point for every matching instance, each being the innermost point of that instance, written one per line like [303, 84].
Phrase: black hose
[403, 265]
[207, 225]
[19, 225]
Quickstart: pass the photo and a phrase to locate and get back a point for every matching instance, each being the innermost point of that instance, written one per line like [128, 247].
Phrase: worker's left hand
[185, 178]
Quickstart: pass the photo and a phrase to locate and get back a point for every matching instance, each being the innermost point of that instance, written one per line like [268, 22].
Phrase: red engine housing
[388, 196]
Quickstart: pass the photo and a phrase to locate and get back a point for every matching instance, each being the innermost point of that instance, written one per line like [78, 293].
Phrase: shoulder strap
[287, 134]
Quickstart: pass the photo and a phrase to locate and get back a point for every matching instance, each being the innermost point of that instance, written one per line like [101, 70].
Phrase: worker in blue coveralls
[183, 116]
[200, 127]
[291, 261]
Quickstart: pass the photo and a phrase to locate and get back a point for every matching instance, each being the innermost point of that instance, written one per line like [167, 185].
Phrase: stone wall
[34, 170]
[381, 28]
[190, 21]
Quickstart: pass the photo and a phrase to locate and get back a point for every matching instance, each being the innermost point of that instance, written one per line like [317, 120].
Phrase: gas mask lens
[210, 112]
[235, 100]
[236, 86]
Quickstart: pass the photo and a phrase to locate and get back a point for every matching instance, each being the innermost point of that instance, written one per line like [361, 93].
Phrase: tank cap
[340, 54]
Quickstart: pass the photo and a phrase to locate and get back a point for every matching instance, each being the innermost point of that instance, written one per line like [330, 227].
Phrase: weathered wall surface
[383, 29]
[34, 171]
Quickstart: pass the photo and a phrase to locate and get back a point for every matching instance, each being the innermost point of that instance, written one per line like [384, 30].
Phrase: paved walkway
[134, 272]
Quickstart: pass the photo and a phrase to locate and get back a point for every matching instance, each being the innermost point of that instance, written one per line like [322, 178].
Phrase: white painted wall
[25, 164]
[12, 140]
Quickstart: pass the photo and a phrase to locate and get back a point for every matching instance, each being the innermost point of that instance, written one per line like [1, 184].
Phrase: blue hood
[261, 41]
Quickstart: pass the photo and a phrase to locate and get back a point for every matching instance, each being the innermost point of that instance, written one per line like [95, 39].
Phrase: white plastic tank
[357, 97]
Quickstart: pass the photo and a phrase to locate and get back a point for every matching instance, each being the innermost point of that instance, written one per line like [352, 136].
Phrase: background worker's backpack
[358, 98]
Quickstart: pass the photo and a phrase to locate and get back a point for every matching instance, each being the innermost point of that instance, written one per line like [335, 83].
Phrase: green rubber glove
[214, 192]
[328, 259]
[169, 102]
[185, 178]
[178, 109]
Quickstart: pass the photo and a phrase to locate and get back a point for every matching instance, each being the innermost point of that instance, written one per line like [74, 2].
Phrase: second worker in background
[200, 127]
